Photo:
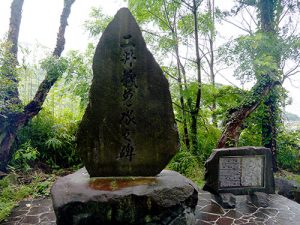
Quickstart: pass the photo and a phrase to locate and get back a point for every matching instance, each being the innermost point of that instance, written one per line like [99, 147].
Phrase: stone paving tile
[224, 221]
[208, 217]
[32, 212]
[281, 211]
[234, 214]
[214, 208]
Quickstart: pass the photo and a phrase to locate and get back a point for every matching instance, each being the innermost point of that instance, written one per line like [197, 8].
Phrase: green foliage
[53, 138]
[8, 81]
[24, 157]
[16, 187]
[5, 209]
[251, 135]
[42, 188]
[154, 18]
[226, 97]
[166, 43]
[50, 137]
[153, 11]
[52, 133]
[97, 22]
[54, 66]
[10, 194]
[7, 60]
[188, 165]
[78, 76]
[288, 150]
[208, 136]
[269, 46]
[253, 55]
[30, 72]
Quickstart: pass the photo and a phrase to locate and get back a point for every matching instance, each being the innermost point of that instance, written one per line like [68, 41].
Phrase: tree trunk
[12, 97]
[7, 125]
[180, 71]
[182, 74]
[14, 122]
[269, 125]
[184, 120]
[211, 11]
[266, 10]
[14, 25]
[195, 111]
[237, 116]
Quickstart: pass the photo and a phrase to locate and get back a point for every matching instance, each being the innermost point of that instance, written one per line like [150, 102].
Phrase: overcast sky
[40, 23]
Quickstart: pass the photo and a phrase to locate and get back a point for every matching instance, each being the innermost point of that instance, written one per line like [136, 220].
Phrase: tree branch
[242, 28]
[33, 107]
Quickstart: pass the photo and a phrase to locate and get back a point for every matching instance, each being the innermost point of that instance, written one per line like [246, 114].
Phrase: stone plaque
[252, 171]
[128, 128]
[230, 172]
[239, 171]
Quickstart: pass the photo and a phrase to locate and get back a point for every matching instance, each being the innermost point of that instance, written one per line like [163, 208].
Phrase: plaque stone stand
[231, 172]
[126, 138]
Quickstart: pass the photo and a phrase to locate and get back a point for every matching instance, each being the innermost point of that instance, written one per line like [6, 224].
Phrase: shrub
[24, 157]
[188, 165]
[288, 150]
[53, 139]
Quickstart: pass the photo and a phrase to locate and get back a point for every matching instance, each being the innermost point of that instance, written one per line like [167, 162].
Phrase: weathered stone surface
[297, 195]
[288, 188]
[281, 211]
[239, 171]
[128, 128]
[259, 199]
[226, 200]
[168, 198]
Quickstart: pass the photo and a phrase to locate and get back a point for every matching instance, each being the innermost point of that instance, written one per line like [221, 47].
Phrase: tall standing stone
[128, 128]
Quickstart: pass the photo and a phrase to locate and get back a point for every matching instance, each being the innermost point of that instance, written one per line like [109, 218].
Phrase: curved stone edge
[173, 197]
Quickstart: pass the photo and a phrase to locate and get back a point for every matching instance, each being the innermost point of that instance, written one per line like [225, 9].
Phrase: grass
[16, 187]
[288, 175]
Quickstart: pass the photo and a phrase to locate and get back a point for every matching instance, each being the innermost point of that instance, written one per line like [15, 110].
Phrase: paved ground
[281, 211]
[37, 211]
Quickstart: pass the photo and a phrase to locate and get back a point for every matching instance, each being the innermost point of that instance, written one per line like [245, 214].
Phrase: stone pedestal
[169, 198]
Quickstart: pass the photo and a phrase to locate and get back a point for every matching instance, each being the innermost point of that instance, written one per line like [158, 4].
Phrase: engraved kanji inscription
[241, 171]
[129, 83]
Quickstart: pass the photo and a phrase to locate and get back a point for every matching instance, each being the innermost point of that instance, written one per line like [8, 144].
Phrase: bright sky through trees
[40, 21]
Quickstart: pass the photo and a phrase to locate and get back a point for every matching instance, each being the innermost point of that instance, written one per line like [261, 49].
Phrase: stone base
[229, 200]
[226, 200]
[169, 198]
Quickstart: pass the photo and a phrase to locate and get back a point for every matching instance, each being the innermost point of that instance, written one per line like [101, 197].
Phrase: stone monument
[239, 171]
[126, 138]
